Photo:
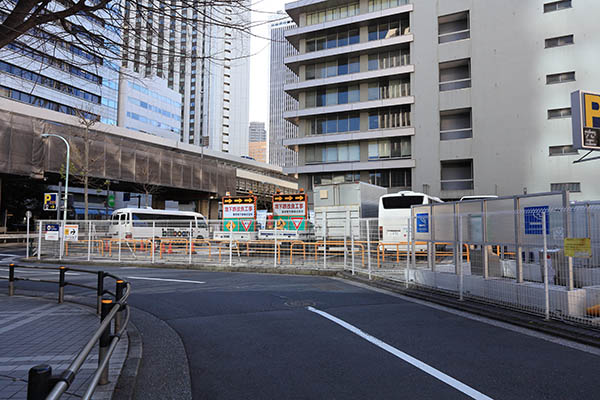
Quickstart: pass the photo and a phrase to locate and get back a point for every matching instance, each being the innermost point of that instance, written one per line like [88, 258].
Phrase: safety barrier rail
[42, 384]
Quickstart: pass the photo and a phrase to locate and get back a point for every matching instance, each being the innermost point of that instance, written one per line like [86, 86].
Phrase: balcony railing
[456, 84]
[454, 36]
[457, 184]
[455, 134]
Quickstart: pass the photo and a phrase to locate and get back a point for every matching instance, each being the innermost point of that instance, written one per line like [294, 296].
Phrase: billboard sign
[585, 108]
[290, 211]
[50, 201]
[239, 214]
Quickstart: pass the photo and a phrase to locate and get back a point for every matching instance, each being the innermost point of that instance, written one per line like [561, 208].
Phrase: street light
[45, 135]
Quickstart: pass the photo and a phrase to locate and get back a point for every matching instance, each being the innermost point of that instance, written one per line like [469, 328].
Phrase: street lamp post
[45, 135]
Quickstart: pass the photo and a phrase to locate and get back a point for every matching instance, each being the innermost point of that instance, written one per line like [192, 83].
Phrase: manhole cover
[300, 303]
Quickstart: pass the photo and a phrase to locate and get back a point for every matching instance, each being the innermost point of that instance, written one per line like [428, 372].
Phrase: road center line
[469, 391]
[163, 279]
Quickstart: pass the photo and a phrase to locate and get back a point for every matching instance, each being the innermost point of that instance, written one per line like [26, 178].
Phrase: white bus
[394, 211]
[136, 223]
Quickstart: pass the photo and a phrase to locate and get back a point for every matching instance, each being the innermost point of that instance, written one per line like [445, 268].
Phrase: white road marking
[469, 391]
[163, 279]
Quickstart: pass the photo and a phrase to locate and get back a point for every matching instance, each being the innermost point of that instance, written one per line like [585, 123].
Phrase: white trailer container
[358, 199]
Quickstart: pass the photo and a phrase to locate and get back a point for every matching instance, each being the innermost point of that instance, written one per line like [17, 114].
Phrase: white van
[136, 223]
[394, 211]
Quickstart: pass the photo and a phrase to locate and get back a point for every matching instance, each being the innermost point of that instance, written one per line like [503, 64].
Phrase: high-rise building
[213, 77]
[280, 101]
[479, 104]
[257, 144]
[47, 67]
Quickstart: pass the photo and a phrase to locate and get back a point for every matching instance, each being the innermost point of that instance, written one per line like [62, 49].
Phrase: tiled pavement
[37, 331]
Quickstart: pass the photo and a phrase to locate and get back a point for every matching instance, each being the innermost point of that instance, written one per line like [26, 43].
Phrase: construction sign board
[290, 211]
[578, 247]
[71, 233]
[52, 232]
[239, 214]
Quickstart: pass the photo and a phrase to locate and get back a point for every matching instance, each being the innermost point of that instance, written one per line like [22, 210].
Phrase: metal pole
[369, 249]
[153, 236]
[275, 231]
[230, 244]
[119, 290]
[89, 240]
[352, 246]
[413, 243]
[59, 201]
[39, 253]
[460, 259]
[39, 382]
[345, 238]
[191, 237]
[324, 239]
[61, 240]
[27, 240]
[120, 234]
[546, 288]
[11, 279]
[99, 291]
[107, 305]
[408, 242]
[61, 284]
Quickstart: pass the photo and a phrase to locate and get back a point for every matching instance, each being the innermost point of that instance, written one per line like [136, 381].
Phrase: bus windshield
[401, 202]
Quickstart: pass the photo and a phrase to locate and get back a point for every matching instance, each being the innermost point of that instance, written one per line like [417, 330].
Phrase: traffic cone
[170, 251]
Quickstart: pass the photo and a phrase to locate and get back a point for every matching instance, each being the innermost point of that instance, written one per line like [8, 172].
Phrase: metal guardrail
[42, 384]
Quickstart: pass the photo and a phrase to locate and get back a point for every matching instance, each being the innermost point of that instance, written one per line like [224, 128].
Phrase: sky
[263, 10]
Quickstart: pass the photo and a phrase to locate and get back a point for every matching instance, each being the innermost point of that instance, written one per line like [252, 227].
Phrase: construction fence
[540, 259]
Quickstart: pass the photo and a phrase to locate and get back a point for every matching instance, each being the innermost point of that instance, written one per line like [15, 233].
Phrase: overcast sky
[259, 61]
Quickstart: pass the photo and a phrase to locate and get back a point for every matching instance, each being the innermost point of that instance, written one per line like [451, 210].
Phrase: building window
[333, 96]
[332, 40]
[389, 148]
[566, 187]
[331, 153]
[456, 124]
[454, 27]
[560, 78]
[559, 41]
[332, 14]
[388, 59]
[557, 5]
[400, 177]
[377, 5]
[455, 75]
[334, 123]
[338, 177]
[395, 117]
[388, 29]
[389, 89]
[562, 150]
[457, 175]
[559, 113]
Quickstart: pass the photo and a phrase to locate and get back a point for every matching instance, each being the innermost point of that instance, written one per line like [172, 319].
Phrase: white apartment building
[452, 97]
[213, 77]
[279, 101]
[48, 68]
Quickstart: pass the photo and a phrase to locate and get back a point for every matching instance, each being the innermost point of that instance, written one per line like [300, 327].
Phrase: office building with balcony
[450, 98]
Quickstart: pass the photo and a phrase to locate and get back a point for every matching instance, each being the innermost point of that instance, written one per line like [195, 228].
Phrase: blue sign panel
[52, 227]
[533, 220]
[423, 223]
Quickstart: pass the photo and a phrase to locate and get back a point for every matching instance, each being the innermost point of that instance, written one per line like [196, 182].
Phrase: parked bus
[394, 211]
[136, 223]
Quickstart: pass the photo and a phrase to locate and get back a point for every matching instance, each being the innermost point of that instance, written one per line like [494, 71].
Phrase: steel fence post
[345, 238]
[89, 240]
[546, 288]
[119, 290]
[413, 243]
[369, 249]
[61, 284]
[39, 252]
[518, 245]
[324, 239]
[408, 242]
[352, 245]
[275, 232]
[107, 305]
[230, 245]
[61, 240]
[100, 291]
[153, 240]
[191, 237]
[11, 279]
[27, 234]
[120, 234]
[460, 259]
[39, 382]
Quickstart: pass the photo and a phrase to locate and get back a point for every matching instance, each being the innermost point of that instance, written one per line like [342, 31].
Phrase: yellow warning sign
[281, 224]
[230, 226]
[578, 247]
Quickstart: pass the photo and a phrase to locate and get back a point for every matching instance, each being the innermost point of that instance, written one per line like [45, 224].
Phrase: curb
[563, 329]
[124, 390]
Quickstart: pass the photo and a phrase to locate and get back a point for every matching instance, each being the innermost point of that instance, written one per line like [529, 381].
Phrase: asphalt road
[229, 336]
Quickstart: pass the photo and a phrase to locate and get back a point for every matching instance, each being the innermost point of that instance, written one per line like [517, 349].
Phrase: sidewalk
[37, 331]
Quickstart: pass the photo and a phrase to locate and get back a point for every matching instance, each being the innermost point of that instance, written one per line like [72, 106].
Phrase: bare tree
[140, 31]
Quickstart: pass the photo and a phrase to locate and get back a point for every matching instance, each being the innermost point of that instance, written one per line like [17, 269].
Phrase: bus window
[401, 202]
